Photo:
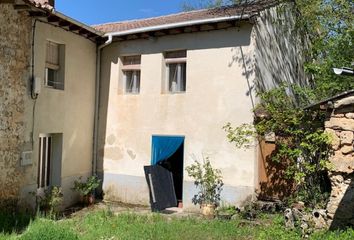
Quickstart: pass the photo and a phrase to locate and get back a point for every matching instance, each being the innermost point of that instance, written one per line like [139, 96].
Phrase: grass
[104, 225]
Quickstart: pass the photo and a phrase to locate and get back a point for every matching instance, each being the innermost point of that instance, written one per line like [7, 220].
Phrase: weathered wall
[279, 49]
[69, 112]
[14, 75]
[340, 125]
[217, 93]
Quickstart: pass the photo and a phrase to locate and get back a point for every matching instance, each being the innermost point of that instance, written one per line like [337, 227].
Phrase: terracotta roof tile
[251, 8]
[44, 4]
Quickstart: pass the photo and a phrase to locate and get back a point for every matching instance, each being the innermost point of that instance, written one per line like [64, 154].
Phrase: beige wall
[69, 111]
[217, 93]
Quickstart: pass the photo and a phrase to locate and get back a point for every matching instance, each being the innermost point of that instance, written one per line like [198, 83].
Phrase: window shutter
[52, 59]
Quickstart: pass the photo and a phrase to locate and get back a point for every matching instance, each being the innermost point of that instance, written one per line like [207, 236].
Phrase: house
[111, 99]
[47, 99]
[168, 86]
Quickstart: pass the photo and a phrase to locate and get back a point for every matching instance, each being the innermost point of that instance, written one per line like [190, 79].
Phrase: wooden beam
[37, 14]
[21, 7]
[53, 19]
[6, 1]
[74, 27]
[132, 37]
[64, 23]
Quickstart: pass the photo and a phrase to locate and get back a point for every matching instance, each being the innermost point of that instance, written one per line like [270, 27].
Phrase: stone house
[110, 99]
[47, 99]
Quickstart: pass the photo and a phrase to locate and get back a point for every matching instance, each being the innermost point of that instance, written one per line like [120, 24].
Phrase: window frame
[44, 161]
[179, 58]
[57, 66]
[134, 66]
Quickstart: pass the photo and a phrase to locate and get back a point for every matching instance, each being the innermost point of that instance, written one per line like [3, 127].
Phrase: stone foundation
[340, 126]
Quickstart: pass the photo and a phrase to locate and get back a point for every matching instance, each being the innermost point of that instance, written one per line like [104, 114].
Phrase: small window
[54, 67]
[49, 160]
[131, 73]
[45, 153]
[176, 71]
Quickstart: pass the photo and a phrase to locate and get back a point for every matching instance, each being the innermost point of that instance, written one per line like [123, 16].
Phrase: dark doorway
[174, 164]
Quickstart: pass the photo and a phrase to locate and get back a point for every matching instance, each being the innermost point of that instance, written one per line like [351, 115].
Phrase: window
[176, 71]
[54, 67]
[45, 152]
[131, 74]
[49, 161]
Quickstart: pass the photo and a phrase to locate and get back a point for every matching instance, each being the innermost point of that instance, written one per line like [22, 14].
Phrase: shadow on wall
[279, 48]
[344, 214]
[272, 183]
[102, 120]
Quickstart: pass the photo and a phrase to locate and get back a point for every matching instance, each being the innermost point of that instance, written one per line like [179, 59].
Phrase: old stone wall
[15, 29]
[340, 125]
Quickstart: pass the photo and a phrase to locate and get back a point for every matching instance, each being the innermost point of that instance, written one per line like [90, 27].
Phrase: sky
[103, 11]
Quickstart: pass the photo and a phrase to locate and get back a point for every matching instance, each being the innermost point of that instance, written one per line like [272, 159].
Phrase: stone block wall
[340, 125]
[15, 34]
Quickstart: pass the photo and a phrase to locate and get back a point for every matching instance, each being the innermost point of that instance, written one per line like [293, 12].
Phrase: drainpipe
[97, 103]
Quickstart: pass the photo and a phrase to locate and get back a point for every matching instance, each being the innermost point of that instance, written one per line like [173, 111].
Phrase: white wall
[217, 93]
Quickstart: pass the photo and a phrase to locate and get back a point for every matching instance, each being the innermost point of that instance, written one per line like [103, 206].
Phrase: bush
[48, 230]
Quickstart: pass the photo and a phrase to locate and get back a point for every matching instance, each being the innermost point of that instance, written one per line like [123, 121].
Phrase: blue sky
[101, 11]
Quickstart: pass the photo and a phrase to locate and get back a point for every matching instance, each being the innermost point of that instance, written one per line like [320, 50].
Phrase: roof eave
[177, 25]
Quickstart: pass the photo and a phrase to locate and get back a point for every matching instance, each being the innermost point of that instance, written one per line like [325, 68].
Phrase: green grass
[105, 225]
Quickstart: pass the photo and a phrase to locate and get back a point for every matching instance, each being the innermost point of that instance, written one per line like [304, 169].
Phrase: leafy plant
[51, 201]
[208, 181]
[300, 139]
[87, 187]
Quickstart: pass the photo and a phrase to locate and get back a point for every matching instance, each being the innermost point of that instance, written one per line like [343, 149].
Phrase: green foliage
[208, 181]
[300, 139]
[87, 187]
[241, 136]
[11, 222]
[48, 230]
[51, 201]
[105, 225]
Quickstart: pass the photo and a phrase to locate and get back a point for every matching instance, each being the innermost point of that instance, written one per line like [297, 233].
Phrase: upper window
[176, 71]
[131, 73]
[54, 67]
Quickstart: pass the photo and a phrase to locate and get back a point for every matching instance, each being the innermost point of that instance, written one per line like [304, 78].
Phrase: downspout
[97, 103]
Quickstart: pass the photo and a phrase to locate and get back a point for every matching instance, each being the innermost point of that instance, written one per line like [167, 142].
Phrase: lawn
[106, 225]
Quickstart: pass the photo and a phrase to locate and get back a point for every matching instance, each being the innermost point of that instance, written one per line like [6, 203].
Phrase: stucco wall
[217, 93]
[69, 111]
[14, 74]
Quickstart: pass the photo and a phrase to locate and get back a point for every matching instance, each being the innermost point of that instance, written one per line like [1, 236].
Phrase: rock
[344, 102]
[346, 137]
[349, 115]
[298, 205]
[342, 163]
[334, 138]
[340, 124]
[347, 149]
[319, 218]
[289, 218]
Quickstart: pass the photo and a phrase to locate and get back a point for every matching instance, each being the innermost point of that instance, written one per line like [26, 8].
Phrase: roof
[250, 8]
[336, 97]
[44, 10]
[43, 4]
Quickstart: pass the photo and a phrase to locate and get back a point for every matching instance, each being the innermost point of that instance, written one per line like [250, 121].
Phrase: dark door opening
[174, 164]
[165, 175]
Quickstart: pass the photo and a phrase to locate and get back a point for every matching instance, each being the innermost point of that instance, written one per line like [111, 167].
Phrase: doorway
[168, 152]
